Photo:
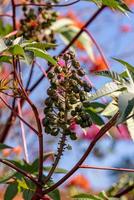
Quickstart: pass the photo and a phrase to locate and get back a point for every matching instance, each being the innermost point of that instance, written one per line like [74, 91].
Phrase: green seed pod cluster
[36, 22]
[67, 97]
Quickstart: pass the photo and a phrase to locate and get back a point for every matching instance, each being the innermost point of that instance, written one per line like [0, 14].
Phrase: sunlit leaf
[41, 54]
[126, 105]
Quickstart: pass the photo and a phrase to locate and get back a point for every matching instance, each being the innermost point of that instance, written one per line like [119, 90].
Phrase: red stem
[106, 168]
[82, 29]
[6, 15]
[20, 171]
[15, 113]
[98, 47]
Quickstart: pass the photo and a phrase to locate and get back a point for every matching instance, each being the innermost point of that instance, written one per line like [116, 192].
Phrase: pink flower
[122, 132]
[91, 132]
[73, 126]
[61, 62]
[126, 28]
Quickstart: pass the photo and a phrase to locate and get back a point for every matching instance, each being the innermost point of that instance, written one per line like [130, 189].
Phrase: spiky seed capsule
[50, 75]
[45, 121]
[86, 104]
[81, 72]
[48, 102]
[87, 88]
[73, 113]
[67, 97]
[73, 136]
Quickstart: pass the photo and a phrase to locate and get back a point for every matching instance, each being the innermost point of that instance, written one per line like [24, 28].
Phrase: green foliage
[4, 146]
[55, 194]
[11, 191]
[5, 28]
[18, 47]
[101, 196]
[113, 4]
[126, 105]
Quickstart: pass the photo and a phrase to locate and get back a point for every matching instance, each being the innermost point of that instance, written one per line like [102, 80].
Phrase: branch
[101, 133]
[30, 76]
[15, 113]
[106, 168]
[14, 14]
[98, 47]
[23, 134]
[82, 29]
[124, 191]
[58, 156]
[39, 126]
[6, 15]
[20, 171]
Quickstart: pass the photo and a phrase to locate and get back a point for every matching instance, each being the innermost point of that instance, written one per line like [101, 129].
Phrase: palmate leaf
[113, 4]
[110, 110]
[126, 105]
[28, 194]
[130, 68]
[3, 46]
[107, 89]
[7, 177]
[111, 74]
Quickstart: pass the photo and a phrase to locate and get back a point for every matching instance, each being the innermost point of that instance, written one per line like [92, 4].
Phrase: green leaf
[11, 191]
[38, 45]
[3, 46]
[126, 105]
[22, 184]
[95, 117]
[35, 164]
[7, 177]
[5, 58]
[110, 110]
[5, 28]
[97, 107]
[55, 194]
[17, 50]
[18, 41]
[57, 170]
[4, 146]
[111, 74]
[104, 196]
[113, 4]
[42, 54]
[84, 196]
[128, 66]
[107, 89]
[28, 194]
[130, 126]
